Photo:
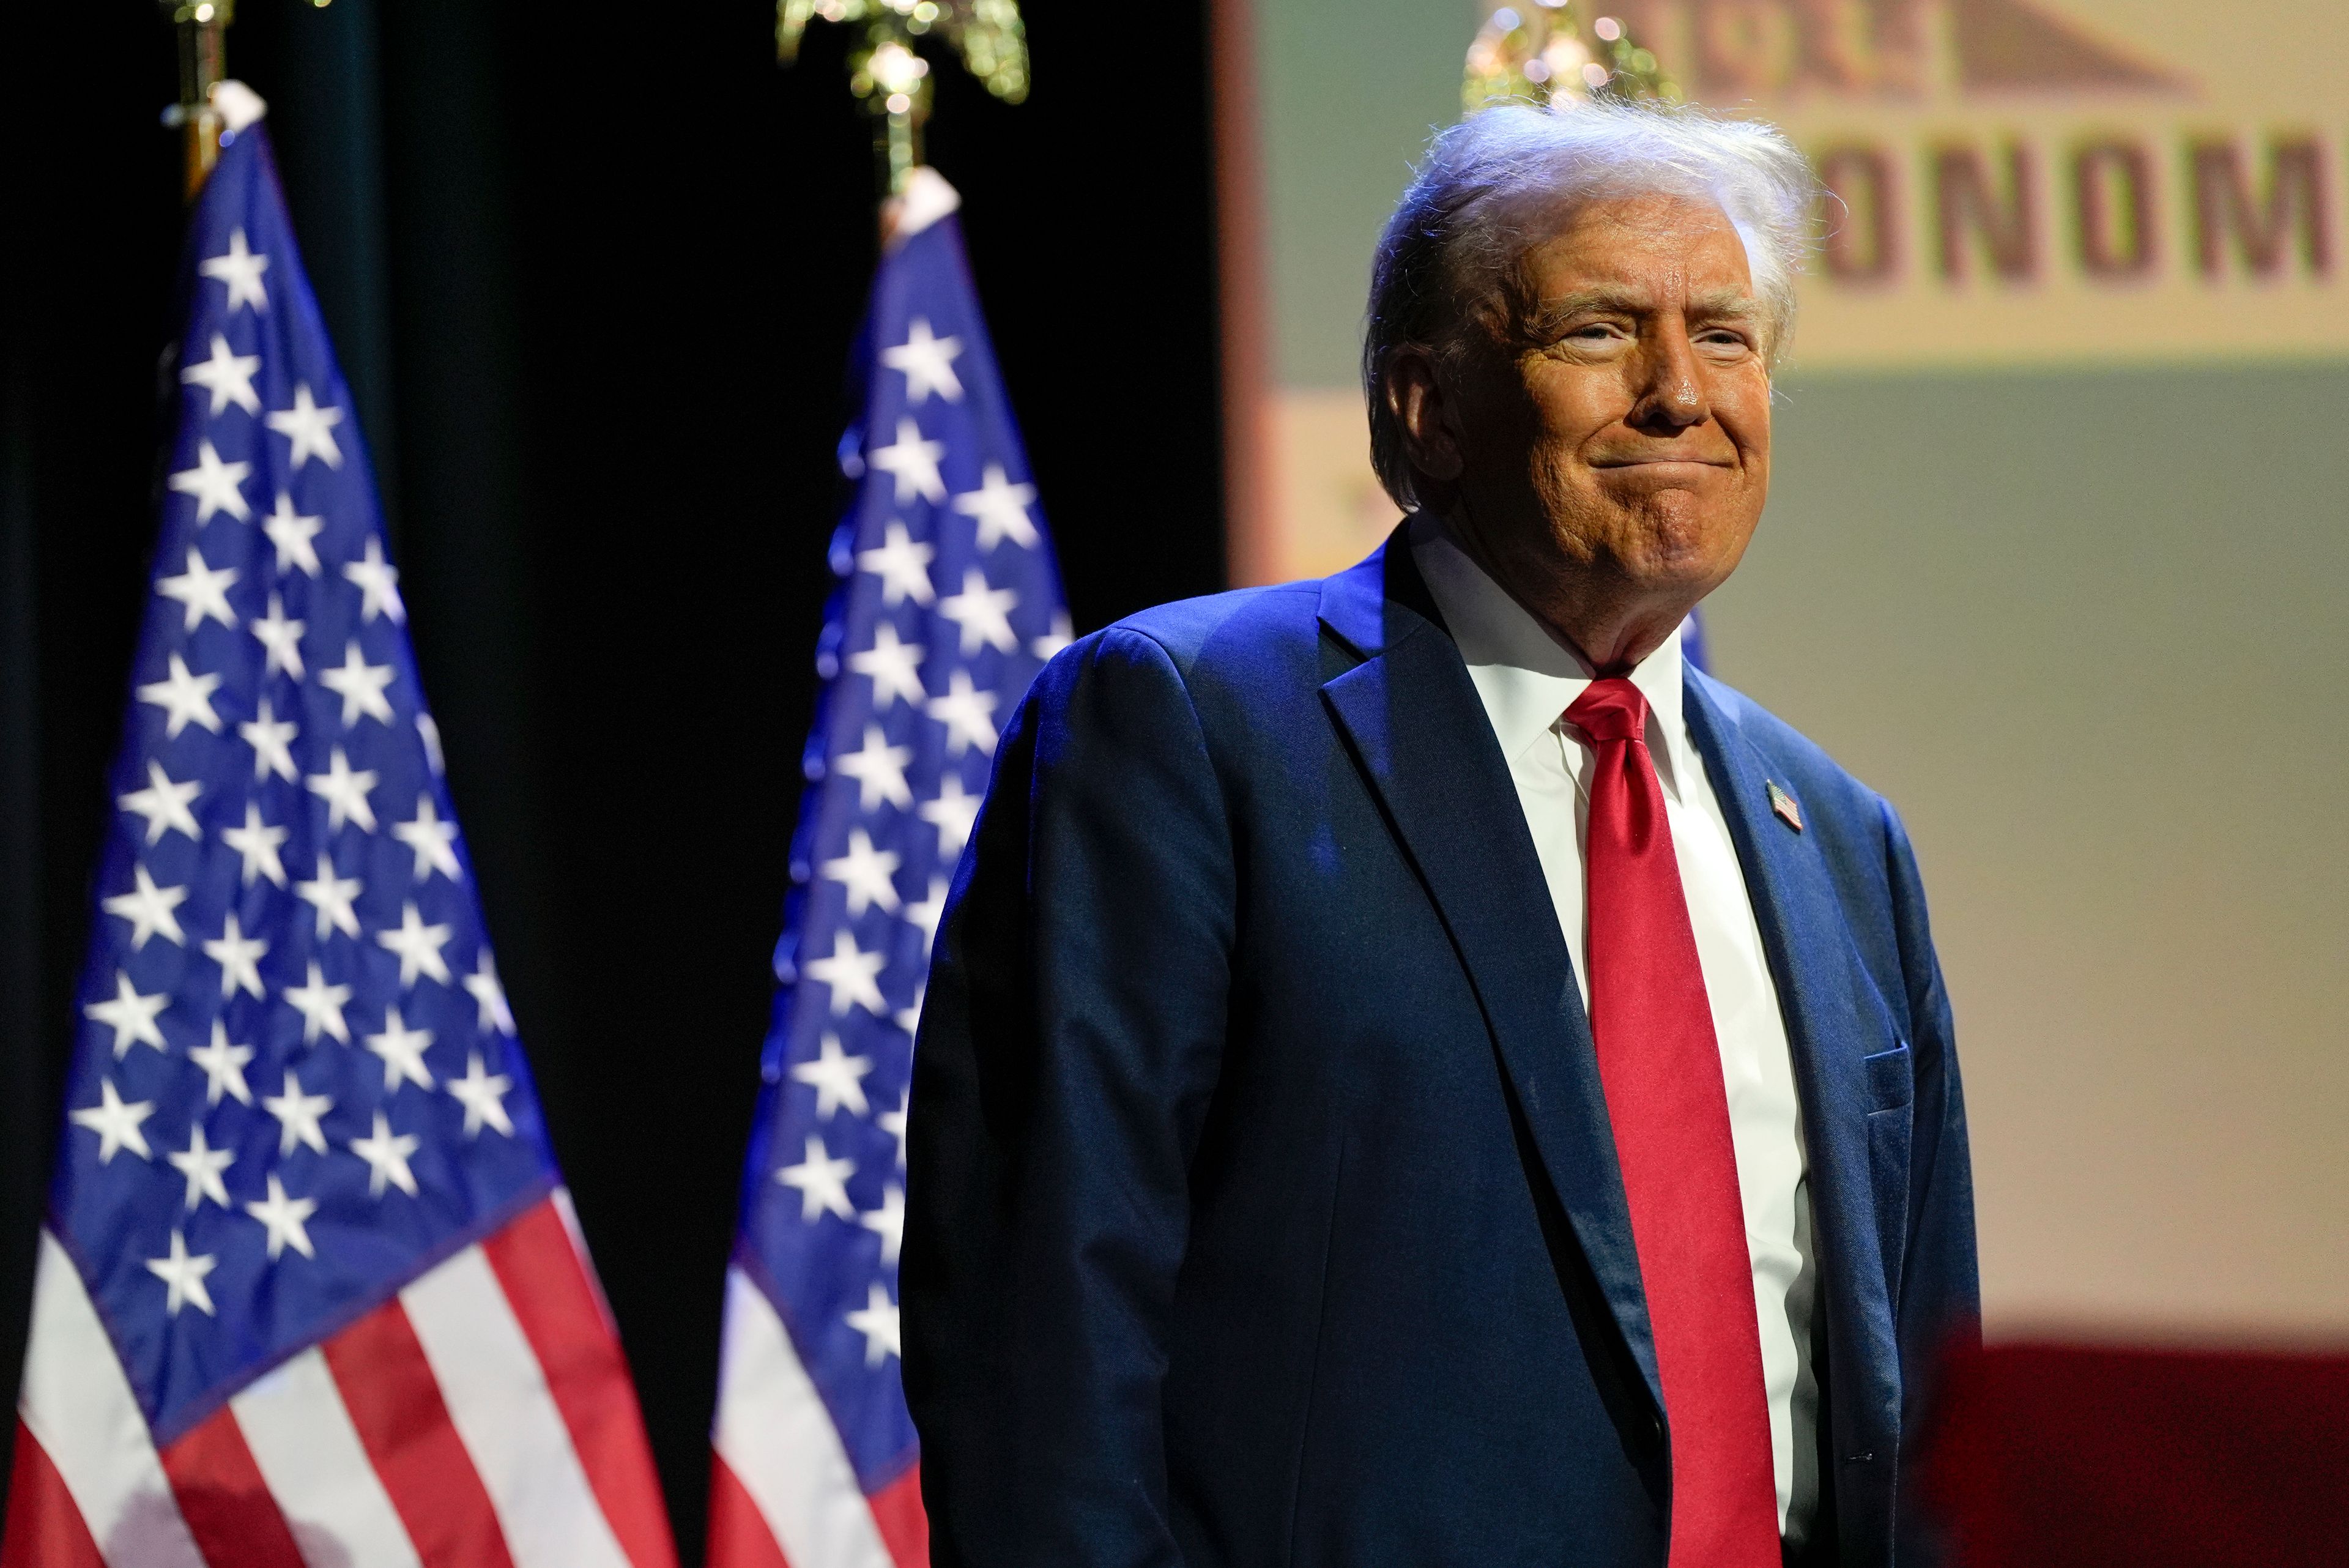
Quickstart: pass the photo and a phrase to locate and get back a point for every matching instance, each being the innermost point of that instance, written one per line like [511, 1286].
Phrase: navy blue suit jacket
[1262, 1204]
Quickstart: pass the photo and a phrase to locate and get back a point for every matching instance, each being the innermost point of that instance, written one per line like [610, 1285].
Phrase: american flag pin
[1784, 804]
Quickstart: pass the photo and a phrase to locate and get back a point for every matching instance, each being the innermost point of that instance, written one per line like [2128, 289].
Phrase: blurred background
[2053, 558]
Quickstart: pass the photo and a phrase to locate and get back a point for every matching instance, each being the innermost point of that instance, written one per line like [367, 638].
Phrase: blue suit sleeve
[1070, 1040]
[1941, 1297]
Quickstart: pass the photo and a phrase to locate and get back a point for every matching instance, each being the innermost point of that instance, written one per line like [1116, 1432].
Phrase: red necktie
[1660, 1066]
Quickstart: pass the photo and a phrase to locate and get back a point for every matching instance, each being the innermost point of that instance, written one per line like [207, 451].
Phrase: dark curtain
[593, 272]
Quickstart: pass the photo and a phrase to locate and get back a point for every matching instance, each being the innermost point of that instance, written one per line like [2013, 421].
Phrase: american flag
[948, 603]
[310, 1291]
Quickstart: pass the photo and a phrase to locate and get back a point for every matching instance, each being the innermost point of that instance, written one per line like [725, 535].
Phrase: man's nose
[1670, 392]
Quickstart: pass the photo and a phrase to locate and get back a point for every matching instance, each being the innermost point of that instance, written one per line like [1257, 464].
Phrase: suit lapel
[1420, 734]
[1834, 1019]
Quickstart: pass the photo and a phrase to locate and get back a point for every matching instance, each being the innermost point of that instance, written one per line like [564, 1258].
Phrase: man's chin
[1679, 502]
[1678, 541]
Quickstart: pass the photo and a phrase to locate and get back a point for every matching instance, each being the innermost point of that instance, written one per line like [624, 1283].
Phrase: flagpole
[202, 26]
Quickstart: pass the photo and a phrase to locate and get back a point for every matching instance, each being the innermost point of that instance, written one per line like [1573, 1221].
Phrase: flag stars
[227, 376]
[286, 1220]
[903, 565]
[877, 1322]
[345, 790]
[298, 1116]
[202, 589]
[482, 1093]
[968, 714]
[852, 976]
[913, 464]
[239, 957]
[893, 760]
[490, 997]
[923, 916]
[418, 947]
[202, 1165]
[879, 770]
[130, 1015]
[183, 1278]
[361, 685]
[893, 667]
[223, 1066]
[378, 585]
[953, 813]
[149, 909]
[837, 1078]
[116, 1124]
[983, 613]
[294, 537]
[321, 1007]
[402, 1050]
[865, 874]
[164, 805]
[928, 364]
[272, 740]
[241, 270]
[888, 1222]
[432, 840]
[1052, 641]
[257, 843]
[821, 1181]
[332, 897]
[386, 1153]
[1001, 508]
[281, 639]
[185, 697]
[309, 428]
[217, 486]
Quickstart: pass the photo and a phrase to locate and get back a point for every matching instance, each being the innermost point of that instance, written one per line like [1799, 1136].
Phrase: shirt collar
[1525, 674]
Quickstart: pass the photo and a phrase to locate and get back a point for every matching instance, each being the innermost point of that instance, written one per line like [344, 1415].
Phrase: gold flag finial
[893, 79]
[1551, 52]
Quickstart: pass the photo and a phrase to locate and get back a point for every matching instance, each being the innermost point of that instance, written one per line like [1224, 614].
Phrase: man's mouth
[1662, 461]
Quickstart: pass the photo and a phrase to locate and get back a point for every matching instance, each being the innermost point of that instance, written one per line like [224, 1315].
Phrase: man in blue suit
[1414, 1074]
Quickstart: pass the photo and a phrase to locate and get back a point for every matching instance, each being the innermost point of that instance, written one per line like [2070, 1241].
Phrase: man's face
[1614, 439]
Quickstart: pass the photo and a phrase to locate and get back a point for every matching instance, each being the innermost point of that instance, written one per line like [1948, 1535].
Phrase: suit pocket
[1892, 1093]
[1891, 1082]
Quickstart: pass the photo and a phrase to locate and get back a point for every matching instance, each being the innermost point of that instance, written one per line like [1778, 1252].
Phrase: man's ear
[1423, 409]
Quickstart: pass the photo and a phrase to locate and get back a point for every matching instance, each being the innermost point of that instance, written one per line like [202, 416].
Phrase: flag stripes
[77, 1404]
[44, 1526]
[499, 1402]
[556, 1302]
[775, 1438]
[443, 1430]
[738, 1536]
[224, 1500]
[302, 1439]
[403, 1423]
[905, 1527]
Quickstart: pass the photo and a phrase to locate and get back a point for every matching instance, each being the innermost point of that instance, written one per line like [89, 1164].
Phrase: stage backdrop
[2054, 559]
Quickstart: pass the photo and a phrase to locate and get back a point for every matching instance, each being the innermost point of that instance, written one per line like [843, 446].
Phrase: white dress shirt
[1527, 678]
